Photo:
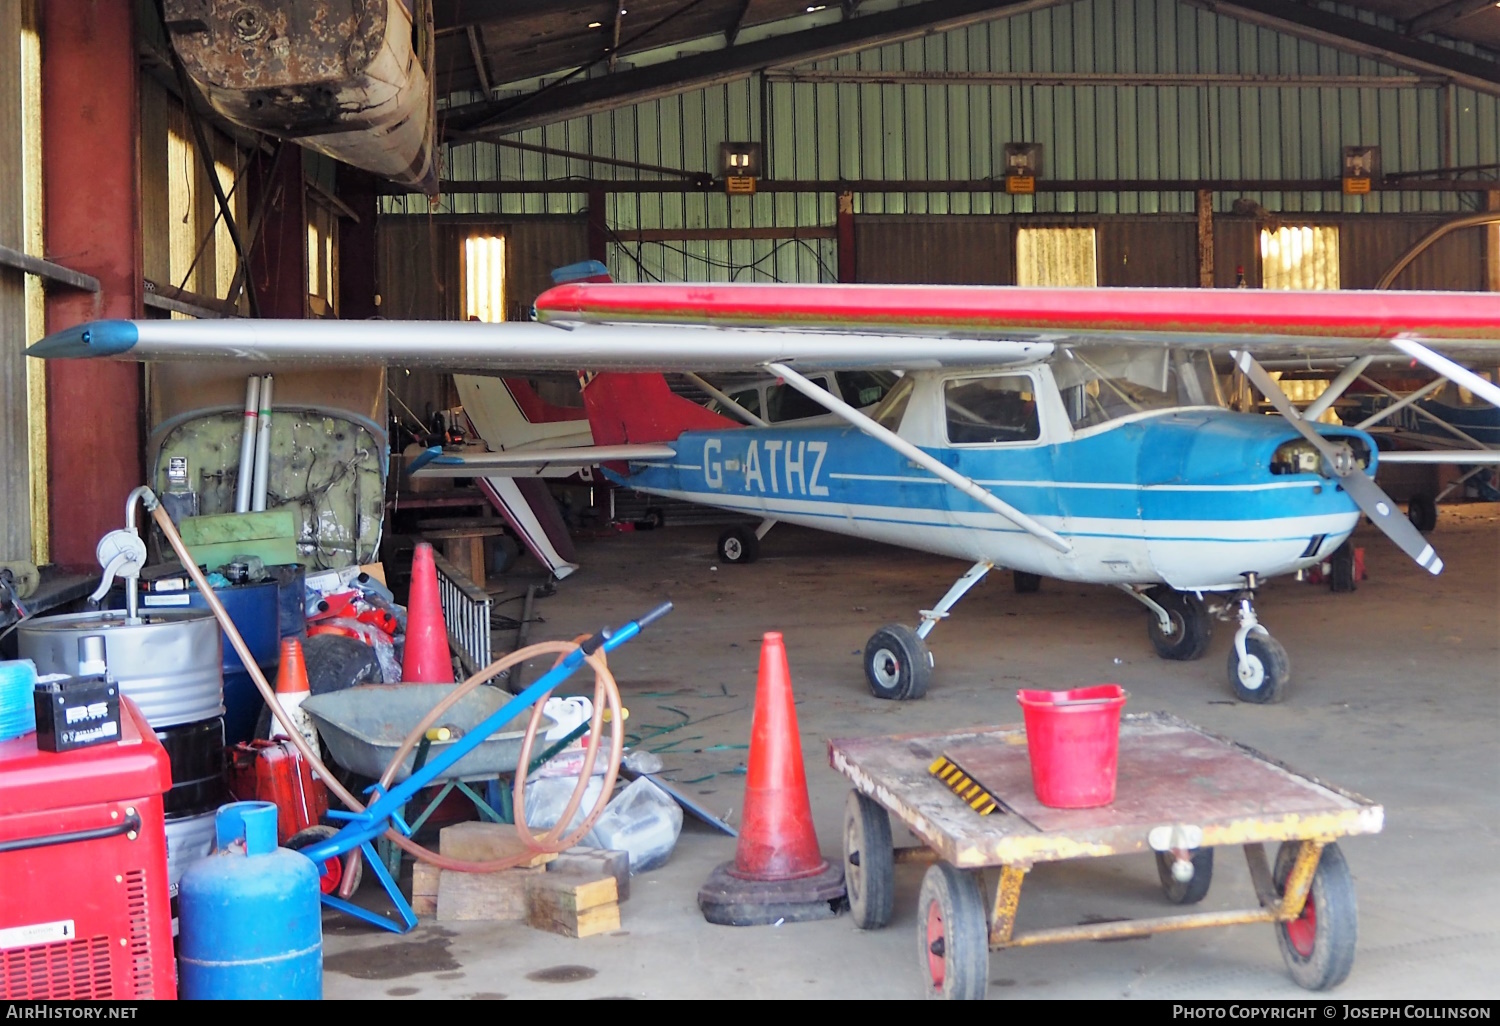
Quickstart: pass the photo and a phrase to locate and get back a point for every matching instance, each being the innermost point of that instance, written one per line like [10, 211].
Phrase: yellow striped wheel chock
[960, 783]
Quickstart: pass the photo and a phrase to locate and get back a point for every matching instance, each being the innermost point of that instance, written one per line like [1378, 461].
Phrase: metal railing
[466, 611]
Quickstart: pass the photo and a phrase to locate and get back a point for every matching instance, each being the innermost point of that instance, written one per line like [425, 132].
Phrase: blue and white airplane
[1075, 434]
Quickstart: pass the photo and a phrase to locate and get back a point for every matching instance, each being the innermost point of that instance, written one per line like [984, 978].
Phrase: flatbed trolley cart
[1181, 792]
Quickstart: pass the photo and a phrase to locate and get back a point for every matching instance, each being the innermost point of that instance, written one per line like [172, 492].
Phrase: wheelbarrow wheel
[953, 939]
[332, 869]
[1318, 946]
[1194, 889]
[869, 862]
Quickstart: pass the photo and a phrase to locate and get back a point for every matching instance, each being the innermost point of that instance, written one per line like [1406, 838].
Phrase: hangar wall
[937, 118]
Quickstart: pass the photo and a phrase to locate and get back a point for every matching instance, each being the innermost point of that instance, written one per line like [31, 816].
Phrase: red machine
[83, 858]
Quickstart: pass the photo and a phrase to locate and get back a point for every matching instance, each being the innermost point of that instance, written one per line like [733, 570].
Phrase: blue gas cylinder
[251, 925]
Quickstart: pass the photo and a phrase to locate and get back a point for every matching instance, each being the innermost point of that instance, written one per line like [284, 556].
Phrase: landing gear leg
[1259, 668]
[897, 662]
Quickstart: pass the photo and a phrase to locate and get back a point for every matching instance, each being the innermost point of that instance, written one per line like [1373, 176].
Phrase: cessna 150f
[1075, 434]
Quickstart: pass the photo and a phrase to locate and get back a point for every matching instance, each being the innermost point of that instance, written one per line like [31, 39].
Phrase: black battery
[76, 712]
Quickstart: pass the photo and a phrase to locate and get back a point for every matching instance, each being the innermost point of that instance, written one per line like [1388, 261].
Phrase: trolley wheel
[897, 663]
[739, 545]
[1026, 584]
[1263, 676]
[869, 862]
[1318, 945]
[1192, 628]
[333, 869]
[953, 938]
[1195, 889]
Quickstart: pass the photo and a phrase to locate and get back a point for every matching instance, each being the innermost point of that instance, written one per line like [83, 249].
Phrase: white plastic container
[642, 820]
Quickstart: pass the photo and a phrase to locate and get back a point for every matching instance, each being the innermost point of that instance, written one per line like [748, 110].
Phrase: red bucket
[1073, 738]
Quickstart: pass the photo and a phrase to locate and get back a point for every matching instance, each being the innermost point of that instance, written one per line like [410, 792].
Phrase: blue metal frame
[385, 811]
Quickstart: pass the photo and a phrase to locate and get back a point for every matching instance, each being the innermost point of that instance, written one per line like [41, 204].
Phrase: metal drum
[199, 781]
[169, 663]
[189, 839]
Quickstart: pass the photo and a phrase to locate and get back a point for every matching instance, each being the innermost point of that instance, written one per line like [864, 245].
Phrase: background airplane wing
[528, 461]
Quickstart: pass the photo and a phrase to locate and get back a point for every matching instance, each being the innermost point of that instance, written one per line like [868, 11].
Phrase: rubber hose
[595, 660]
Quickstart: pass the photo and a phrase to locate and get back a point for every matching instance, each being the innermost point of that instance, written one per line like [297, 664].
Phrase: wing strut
[1339, 463]
[1336, 388]
[964, 484]
[730, 406]
[1457, 373]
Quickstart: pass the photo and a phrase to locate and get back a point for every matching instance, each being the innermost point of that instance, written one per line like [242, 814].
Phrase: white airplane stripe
[1087, 485]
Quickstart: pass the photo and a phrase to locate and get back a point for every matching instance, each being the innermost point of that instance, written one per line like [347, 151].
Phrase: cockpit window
[893, 407]
[991, 410]
[1106, 383]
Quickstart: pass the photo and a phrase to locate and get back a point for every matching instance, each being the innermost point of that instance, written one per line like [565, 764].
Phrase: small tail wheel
[1422, 511]
[1318, 946]
[1026, 584]
[953, 938]
[1341, 576]
[739, 545]
[869, 862]
[897, 663]
[1263, 675]
[332, 869]
[1191, 629]
[1195, 888]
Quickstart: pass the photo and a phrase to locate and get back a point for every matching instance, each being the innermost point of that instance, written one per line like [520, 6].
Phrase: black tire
[953, 937]
[1422, 511]
[1192, 627]
[503, 554]
[869, 862]
[898, 665]
[1341, 569]
[1318, 946]
[654, 518]
[334, 662]
[1267, 675]
[334, 868]
[1026, 584]
[1195, 889]
[739, 545]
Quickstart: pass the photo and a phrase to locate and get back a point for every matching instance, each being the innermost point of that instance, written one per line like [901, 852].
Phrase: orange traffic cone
[426, 659]
[292, 691]
[777, 872]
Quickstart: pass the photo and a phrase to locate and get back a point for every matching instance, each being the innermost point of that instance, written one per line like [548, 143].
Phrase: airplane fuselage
[1184, 497]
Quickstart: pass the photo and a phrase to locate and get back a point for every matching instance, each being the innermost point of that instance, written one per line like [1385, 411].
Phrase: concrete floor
[1396, 695]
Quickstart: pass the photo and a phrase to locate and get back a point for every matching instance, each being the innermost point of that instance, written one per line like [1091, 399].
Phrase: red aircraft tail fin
[627, 408]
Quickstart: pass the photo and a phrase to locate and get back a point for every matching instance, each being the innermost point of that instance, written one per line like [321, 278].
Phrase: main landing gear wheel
[897, 663]
[869, 862]
[332, 869]
[1422, 511]
[1341, 577]
[1263, 676]
[1318, 945]
[1026, 584]
[1193, 890]
[1192, 628]
[739, 545]
[953, 938]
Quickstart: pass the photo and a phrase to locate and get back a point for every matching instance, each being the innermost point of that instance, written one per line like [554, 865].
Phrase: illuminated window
[226, 261]
[182, 221]
[484, 278]
[1056, 257]
[1299, 257]
[322, 262]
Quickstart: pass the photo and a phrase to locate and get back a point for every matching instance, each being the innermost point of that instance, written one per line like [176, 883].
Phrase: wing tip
[90, 339]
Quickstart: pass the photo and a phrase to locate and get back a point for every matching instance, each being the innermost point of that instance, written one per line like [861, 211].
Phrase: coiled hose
[606, 695]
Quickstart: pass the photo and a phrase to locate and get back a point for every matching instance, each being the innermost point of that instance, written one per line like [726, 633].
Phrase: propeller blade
[1367, 495]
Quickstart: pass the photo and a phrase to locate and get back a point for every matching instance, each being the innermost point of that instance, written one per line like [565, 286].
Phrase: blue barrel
[251, 925]
[256, 612]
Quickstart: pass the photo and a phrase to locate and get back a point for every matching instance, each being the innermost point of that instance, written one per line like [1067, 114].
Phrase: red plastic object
[426, 659]
[84, 899]
[273, 771]
[1073, 739]
[777, 840]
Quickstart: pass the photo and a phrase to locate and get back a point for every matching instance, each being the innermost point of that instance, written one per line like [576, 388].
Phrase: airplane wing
[711, 327]
[529, 462]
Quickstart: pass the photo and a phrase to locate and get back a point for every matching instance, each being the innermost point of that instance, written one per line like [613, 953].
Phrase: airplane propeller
[1339, 459]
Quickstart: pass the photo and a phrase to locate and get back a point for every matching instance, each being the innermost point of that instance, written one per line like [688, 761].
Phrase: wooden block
[489, 896]
[594, 862]
[424, 889]
[484, 842]
[571, 894]
[588, 923]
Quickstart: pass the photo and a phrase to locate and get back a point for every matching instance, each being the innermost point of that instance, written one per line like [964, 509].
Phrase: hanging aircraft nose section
[1224, 494]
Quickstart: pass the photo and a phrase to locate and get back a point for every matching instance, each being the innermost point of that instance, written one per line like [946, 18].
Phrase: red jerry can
[274, 771]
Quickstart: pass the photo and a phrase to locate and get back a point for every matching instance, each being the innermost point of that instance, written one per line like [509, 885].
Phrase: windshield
[1101, 384]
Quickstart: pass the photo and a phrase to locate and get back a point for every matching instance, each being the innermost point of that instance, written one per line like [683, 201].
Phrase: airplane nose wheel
[1259, 668]
[897, 663]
